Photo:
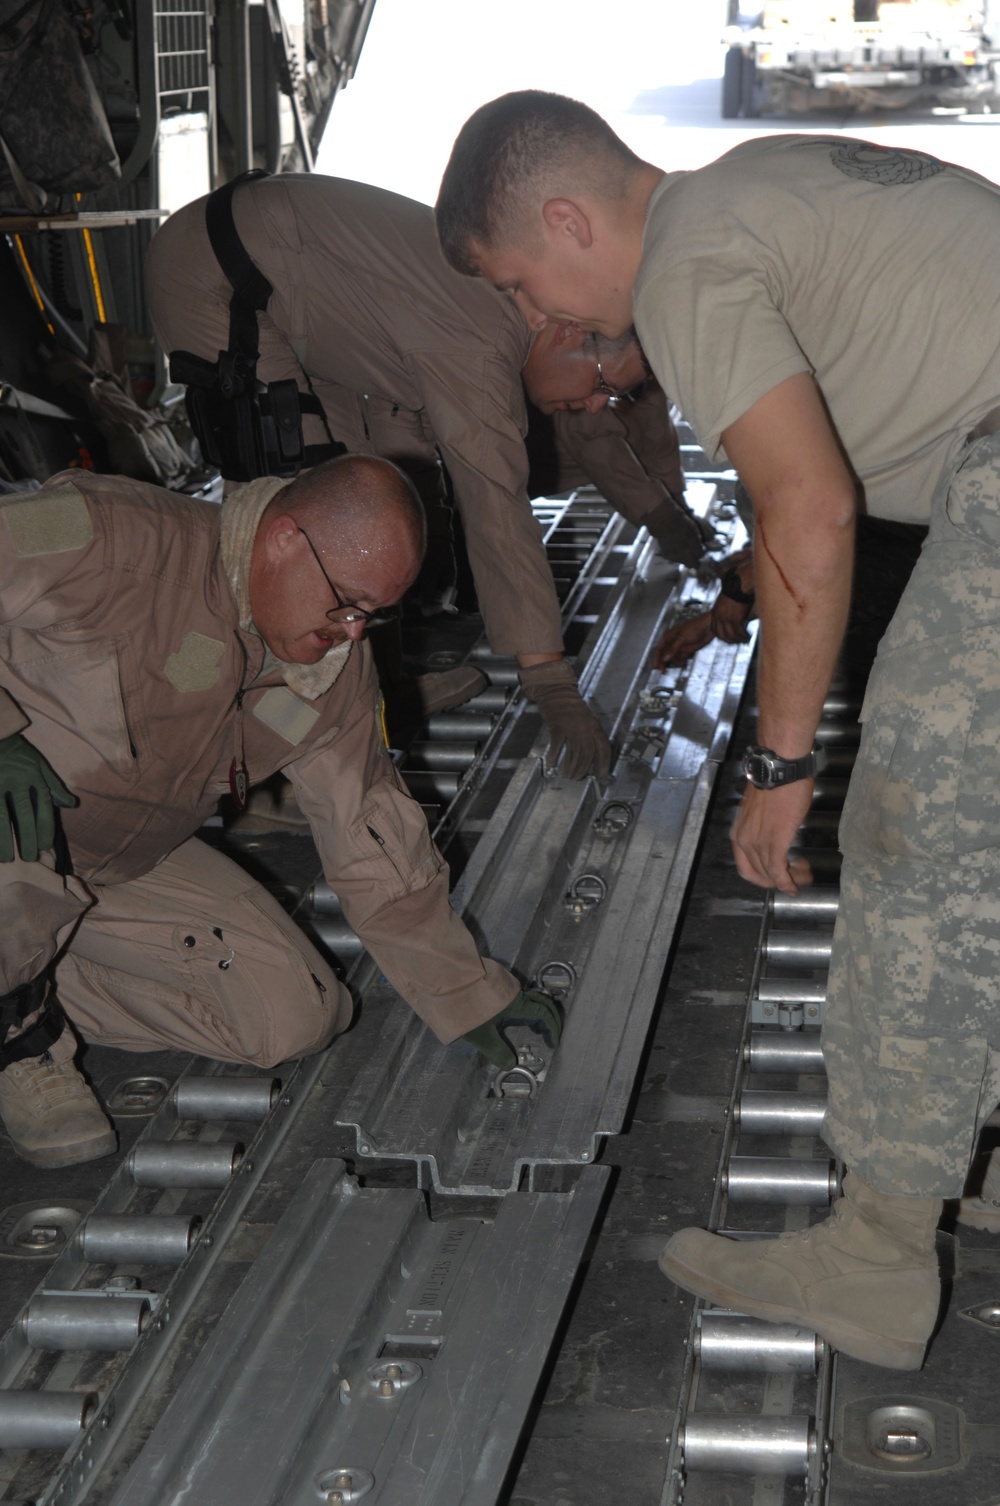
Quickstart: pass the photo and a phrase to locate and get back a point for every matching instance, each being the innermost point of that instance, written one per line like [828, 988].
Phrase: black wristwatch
[767, 770]
[730, 585]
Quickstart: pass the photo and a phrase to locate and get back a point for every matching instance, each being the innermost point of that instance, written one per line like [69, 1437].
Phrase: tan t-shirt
[875, 269]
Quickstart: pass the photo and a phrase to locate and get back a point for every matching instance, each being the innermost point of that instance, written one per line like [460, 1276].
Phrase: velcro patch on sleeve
[285, 714]
[195, 665]
[48, 522]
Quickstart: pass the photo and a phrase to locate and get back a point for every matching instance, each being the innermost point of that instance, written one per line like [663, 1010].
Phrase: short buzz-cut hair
[517, 150]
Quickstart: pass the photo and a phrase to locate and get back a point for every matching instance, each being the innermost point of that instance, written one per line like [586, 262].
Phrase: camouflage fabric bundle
[53, 130]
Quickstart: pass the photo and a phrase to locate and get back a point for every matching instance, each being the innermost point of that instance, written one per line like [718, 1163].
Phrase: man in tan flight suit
[609, 424]
[158, 652]
[409, 361]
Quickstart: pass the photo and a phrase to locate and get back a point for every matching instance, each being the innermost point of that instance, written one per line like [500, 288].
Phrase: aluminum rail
[580, 885]
[359, 1358]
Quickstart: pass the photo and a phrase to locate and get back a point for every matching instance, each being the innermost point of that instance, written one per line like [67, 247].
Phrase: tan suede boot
[51, 1115]
[982, 1210]
[866, 1279]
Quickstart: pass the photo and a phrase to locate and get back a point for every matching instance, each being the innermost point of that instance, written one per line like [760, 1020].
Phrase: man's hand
[530, 1007]
[29, 789]
[682, 642]
[764, 830]
[729, 620]
[575, 733]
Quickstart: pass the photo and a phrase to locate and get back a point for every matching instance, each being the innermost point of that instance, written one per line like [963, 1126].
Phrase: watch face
[758, 768]
[767, 770]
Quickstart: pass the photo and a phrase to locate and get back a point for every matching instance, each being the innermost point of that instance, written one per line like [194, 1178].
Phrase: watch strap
[767, 770]
[731, 586]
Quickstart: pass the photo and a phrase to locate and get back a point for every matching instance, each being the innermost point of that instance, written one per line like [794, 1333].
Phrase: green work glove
[29, 789]
[529, 1007]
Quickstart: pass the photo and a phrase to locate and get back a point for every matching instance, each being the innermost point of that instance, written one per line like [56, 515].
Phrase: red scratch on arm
[762, 535]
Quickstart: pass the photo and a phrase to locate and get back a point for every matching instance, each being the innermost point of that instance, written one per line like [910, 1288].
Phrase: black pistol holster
[245, 427]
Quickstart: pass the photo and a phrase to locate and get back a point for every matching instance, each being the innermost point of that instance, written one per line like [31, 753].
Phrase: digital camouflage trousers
[912, 1028]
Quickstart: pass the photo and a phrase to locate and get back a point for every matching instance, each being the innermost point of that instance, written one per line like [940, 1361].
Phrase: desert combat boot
[866, 1279]
[51, 1115]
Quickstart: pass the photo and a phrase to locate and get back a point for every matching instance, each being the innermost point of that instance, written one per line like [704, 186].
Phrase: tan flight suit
[409, 360]
[122, 660]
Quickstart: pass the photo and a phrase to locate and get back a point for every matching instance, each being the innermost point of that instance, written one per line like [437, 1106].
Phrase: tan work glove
[681, 535]
[575, 732]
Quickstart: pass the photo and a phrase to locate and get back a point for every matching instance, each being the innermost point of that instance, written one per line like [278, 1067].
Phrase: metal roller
[822, 821]
[781, 1051]
[800, 991]
[829, 794]
[774, 1179]
[431, 788]
[76, 1321]
[840, 759]
[183, 1163]
[111, 1239]
[819, 903]
[803, 948]
[780, 1113]
[748, 1445]
[502, 675]
[335, 933]
[323, 899]
[250, 1098]
[731, 1341]
[842, 706]
[487, 703]
[501, 669]
[44, 1419]
[442, 755]
[446, 725]
[838, 735]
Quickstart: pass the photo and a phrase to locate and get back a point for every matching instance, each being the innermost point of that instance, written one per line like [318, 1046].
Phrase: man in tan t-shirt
[808, 303]
[410, 362]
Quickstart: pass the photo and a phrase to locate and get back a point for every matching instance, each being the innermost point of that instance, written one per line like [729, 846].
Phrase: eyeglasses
[346, 611]
[603, 386]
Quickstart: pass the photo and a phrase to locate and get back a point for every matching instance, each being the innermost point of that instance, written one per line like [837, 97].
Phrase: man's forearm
[789, 458]
[803, 586]
[804, 508]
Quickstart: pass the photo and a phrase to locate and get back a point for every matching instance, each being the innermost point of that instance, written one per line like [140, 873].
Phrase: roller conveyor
[164, 1227]
[835, 1432]
[488, 1182]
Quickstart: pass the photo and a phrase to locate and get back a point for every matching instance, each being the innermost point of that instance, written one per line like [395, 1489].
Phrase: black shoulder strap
[251, 289]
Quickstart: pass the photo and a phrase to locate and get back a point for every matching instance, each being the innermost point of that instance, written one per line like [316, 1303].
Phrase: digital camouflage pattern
[54, 133]
[912, 1030]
